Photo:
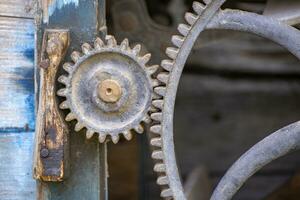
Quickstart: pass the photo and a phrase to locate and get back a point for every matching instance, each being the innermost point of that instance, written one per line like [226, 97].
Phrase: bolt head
[45, 63]
[44, 152]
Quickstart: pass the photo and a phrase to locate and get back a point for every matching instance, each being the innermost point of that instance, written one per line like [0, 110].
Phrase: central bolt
[109, 91]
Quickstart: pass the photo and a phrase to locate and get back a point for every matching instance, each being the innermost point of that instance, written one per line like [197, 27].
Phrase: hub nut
[109, 91]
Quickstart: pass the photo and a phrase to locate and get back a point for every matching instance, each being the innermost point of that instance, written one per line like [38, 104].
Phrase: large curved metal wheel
[210, 16]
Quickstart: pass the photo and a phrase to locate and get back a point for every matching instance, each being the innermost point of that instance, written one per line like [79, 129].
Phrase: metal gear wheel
[108, 89]
[207, 15]
[162, 128]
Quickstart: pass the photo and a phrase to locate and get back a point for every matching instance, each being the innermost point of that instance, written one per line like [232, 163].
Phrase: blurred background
[236, 89]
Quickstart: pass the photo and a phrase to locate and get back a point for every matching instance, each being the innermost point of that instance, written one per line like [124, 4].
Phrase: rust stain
[52, 132]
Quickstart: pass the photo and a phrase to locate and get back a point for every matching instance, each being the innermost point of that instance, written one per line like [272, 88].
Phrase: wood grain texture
[88, 173]
[16, 8]
[16, 106]
[124, 170]
[52, 133]
[16, 182]
[16, 72]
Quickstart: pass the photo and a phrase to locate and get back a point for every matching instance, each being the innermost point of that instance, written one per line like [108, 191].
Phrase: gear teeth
[160, 90]
[172, 52]
[124, 44]
[167, 64]
[115, 139]
[144, 59]
[155, 83]
[156, 129]
[153, 109]
[157, 116]
[162, 180]
[184, 29]
[86, 48]
[62, 92]
[207, 1]
[78, 126]
[152, 69]
[68, 67]
[156, 142]
[111, 41]
[70, 117]
[177, 40]
[64, 105]
[136, 49]
[157, 155]
[158, 104]
[63, 79]
[102, 137]
[108, 44]
[89, 134]
[98, 44]
[127, 135]
[159, 167]
[147, 119]
[166, 193]
[198, 7]
[139, 129]
[190, 18]
[75, 56]
[163, 77]
[156, 96]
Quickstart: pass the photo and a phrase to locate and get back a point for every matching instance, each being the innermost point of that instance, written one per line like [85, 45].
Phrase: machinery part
[164, 153]
[130, 21]
[214, 50]
[272, 147]
[208, 16]
[108, 89]
[52, 144]
[285, 11]
[198, 185]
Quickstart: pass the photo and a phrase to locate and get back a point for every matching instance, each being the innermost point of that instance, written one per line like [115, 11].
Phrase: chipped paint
[16, 172]
[50, 6]
[17, 119]
[16, 72]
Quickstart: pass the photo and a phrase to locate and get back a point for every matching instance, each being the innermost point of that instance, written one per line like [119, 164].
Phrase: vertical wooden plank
[51, 160]
[87, 177]
[16, 73]
[16, 107]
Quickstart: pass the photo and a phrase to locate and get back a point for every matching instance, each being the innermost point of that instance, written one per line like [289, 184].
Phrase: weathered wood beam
[51, 130]
[16, 102]
[87, 174]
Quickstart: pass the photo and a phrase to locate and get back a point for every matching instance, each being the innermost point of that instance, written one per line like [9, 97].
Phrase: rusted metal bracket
[51, 154]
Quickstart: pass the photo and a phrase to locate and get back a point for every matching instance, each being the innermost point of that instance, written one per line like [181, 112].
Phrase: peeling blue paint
[17, 117]
[17, 74]
[29, 54]
[16, 180]
[58, 5]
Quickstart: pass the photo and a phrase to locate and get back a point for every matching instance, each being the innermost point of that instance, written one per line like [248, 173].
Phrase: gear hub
[109, 89]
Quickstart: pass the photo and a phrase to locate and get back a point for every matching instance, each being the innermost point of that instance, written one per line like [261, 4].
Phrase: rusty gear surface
[108, 89]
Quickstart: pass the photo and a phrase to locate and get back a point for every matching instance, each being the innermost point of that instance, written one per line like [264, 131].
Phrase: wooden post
[87, 158]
